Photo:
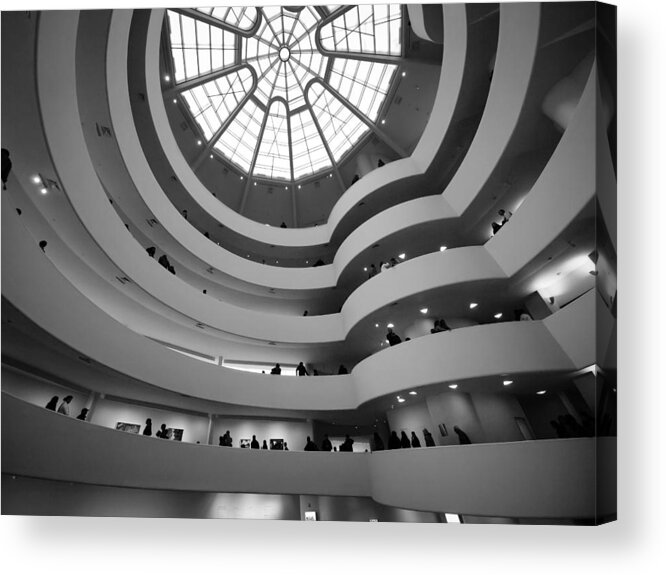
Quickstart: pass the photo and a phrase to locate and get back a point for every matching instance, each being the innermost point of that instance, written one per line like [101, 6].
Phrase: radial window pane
[242, 18]
[273, 159]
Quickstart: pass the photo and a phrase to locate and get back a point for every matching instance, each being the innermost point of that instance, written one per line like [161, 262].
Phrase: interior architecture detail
[337, 263]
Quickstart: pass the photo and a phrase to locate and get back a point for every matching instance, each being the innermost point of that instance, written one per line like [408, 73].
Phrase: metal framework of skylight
[273, 102]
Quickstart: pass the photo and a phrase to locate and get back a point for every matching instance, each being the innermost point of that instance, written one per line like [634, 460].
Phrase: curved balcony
[487, 479]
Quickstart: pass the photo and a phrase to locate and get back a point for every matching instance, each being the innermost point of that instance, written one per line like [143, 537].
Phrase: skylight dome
[285, 92]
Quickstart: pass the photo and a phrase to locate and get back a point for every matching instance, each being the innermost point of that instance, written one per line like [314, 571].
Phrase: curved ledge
[474, 350]
[548, 479]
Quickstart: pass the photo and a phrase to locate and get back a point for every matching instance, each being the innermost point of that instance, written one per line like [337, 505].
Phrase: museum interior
[334, 263]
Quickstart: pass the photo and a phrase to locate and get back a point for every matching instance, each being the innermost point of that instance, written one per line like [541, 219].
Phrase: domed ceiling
[284, 93]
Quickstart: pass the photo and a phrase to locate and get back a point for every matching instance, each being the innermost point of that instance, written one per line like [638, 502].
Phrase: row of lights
[37, 180]
[402, 399]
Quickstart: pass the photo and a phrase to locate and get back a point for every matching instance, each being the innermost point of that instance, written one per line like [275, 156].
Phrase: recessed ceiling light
[286, 187]
[299, 186]
[473, 305]
[404, 74]
[36, 179]
[365, 269]
[241, 177]
[424, 310]
[386, 341]
[248, 255]
[167, 78]
[255, 183]
[497, 315]
[389, 325]
[401, 256]
[454, 386]
[442, 248]
[412, 393]
[211, 156]
[43, 190]
[199, 142]
[507, 382]
[401, 400]
[175, 101]
[376, 325]
[542, 392]
[383, 121]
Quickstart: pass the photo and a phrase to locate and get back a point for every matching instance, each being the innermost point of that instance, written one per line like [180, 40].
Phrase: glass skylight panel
[198, 48]
[364, 84]
[212, 103]
[341, 128]
[240, 138]
[365, 29]
[242, 18]
[283, 58]
[273, 158]
[309, 153]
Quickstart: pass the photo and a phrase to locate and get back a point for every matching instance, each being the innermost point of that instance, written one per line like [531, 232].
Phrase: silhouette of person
[380, 163]
[276, 370]
[356, 178]
[162, 432]
[318, 263]
[326, 444]
[173, 271]
[64, 406]
[342, 370]
[462, 436]
[6, 167]
[148, 429]
[254, 444]
[263, 445]
[283, 225]
[394, 262]
[394, 441]
[310, 445]
[300, 369]
[347, 444]
[225, 440]
[151, 251]
[305, 313]
[505, 215]
[378, 443]
[84, 413]
[404, 440]
[372, 272]
[393, 338]
[415, 440]
[429, 441]
[163, 261]
[53, 403]
[184, 212]
[286, 448]
[43, 244]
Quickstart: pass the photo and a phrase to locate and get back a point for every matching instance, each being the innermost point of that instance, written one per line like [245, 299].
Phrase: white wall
[410, 418]
[109, 412]
[497, 413]
[454, 408]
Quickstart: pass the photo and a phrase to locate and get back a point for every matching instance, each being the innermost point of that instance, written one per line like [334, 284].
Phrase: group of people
[163, 259]
[402, 442]
[566, 426]
[301, 370]
[439, 326]
[504, 215]
[383, 266]
[63, 408]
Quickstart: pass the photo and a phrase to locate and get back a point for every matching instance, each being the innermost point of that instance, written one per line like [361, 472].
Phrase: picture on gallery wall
[442, 430]
[277, 444]
[128, 427]
[174, 433]
[245, 443]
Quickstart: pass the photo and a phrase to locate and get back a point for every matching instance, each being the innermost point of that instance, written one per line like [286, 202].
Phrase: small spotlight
[401, 400]
[286, 187]
[507, 381]
[473, 305]
[43, 191]
[383, 121]
[424, 310]
[175, 101]
[199, 142]
[167, 78]
[404, 74]
[442, 248]
[412, 393]
[376, 325]
[241, 177]
[299, 186]
[255, 183]
[211, 156]
[401, 256]
[365, 269]
[497, 315]
[390, 325]
[454, 386]
[36, 179]
[542, 392]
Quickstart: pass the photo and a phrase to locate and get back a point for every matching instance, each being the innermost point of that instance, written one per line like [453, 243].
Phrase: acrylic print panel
[191, 189]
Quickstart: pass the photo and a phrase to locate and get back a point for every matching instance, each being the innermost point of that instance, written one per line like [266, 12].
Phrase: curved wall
[491, 479]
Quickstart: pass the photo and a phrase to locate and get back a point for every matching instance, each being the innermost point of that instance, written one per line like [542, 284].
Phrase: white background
[635, 544]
